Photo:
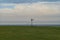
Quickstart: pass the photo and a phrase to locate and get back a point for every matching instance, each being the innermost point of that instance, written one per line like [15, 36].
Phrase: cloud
[39, 11]
[34, 8]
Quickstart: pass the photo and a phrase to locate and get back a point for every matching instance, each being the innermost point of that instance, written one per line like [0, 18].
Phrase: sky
[21, 11]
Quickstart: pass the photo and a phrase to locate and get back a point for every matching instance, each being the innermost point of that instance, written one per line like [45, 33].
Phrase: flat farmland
[29, 33]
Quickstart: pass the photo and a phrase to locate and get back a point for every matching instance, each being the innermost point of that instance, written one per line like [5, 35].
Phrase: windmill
[32, 22]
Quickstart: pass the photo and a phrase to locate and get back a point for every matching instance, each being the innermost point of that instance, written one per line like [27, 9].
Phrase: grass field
[29, 33]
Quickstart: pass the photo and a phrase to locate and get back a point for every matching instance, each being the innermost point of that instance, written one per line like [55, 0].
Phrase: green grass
[29, 33]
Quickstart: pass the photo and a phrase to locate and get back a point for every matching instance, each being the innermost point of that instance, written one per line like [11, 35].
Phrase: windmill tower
[32, 22]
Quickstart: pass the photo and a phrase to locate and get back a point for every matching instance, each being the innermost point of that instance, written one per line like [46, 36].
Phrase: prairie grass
[29, 33]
